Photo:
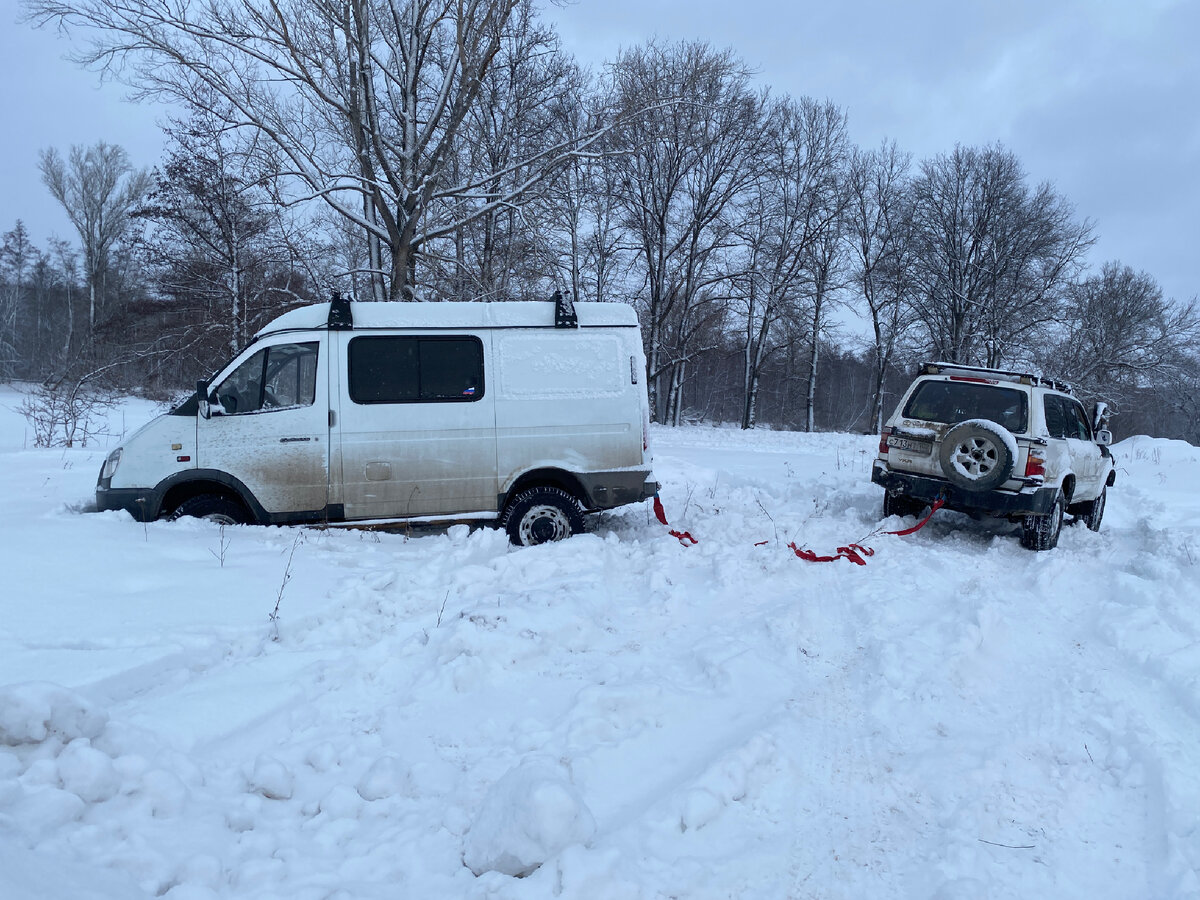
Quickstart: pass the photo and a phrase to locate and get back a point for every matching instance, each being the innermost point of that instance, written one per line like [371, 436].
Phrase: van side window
[277, 377]
[431, 369]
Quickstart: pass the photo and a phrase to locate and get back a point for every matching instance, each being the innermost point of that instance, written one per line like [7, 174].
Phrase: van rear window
[955, 401]
[429, 369]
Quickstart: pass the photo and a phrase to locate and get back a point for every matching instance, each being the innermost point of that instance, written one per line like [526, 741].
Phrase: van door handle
[293, 440]
[332, 418]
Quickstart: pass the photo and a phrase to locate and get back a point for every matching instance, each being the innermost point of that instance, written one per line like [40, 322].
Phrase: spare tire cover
[977, 455]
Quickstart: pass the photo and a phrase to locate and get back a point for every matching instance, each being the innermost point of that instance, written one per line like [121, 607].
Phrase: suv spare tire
[977, 455]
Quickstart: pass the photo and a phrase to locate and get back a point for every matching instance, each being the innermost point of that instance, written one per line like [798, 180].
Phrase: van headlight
[110, 464]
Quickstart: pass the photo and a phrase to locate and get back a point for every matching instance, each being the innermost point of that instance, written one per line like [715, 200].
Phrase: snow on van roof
[454, 314]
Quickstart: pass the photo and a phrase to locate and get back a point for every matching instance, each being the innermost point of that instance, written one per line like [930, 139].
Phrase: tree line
[429, 149]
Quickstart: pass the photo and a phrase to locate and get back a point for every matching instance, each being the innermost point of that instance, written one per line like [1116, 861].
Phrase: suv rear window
[954, 401]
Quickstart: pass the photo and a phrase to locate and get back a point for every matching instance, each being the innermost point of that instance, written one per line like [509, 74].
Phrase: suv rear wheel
[1095, 511]
[1041, 532]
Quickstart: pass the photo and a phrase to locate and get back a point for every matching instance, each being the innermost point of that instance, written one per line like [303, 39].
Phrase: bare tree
[878, 228]
[219, 246]
[792, 206]
[361, 102]
[992, 257]
[17, 258]
[1120, 331]
[688, 133]
[97, 187]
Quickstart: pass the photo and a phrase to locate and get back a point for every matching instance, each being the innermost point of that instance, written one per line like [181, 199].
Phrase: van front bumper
[141, 503]
[1026, 502]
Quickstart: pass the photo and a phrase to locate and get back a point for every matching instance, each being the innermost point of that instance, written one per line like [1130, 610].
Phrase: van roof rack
[564, 311]
[340, 317]
[1034, 378]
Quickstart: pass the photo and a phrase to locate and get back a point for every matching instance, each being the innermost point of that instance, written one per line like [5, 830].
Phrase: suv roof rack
[1034, 378]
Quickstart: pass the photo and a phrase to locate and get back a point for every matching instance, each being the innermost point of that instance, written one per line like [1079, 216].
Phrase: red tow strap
[937, 504]
[661, 514]
[853, 552]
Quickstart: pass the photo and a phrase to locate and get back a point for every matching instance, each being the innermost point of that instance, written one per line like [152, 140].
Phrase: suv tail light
[1035, 463]
[883, 445]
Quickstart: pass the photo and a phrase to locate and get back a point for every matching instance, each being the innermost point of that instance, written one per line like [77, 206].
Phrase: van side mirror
[202, 403]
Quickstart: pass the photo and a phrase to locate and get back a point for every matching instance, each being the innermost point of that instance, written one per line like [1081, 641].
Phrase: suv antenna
[564, 311]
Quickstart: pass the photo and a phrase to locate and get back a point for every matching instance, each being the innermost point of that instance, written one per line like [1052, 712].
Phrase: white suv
[986, 441]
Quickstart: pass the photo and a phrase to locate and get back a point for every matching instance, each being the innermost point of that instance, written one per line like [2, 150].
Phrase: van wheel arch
[548, 477]
[229, 489]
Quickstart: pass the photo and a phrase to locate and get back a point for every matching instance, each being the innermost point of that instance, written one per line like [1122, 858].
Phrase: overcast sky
[1100, 97]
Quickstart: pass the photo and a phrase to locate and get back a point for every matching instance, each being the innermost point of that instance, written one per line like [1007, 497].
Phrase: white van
[532, 413]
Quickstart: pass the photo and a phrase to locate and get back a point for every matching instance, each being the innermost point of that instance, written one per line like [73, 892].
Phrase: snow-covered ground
[959, 718]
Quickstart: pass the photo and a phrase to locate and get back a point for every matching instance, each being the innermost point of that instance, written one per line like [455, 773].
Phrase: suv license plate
[909, 444]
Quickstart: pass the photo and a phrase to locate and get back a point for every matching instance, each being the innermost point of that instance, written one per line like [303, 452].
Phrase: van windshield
[949, 402]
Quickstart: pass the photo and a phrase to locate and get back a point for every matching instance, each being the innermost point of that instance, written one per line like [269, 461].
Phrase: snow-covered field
[959, 718]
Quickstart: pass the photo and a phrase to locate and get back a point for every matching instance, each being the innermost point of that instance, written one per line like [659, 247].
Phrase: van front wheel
[213, 508]
[540, 515]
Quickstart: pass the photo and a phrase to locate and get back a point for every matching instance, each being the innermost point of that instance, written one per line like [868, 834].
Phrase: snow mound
[529, 816]
[31, 712]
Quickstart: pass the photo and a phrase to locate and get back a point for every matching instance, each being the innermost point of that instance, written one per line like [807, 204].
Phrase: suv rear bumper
[1035, 501]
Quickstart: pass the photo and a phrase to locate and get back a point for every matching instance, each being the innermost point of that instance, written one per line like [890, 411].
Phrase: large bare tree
[98, 187]
[878, 228]
[689, 133]
[992, 256]
[362, 102]
[794, 205]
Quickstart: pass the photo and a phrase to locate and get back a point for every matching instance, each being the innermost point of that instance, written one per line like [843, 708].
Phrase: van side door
[416, 424]
[269, 426]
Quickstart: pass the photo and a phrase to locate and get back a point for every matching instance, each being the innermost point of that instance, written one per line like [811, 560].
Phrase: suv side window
[433, 369]
[1056, 418]
[1077, 422]
[280, 376]
[1065, 418]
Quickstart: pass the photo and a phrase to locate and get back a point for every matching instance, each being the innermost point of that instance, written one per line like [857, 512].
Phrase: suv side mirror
[1103, 437]
[1099, 416]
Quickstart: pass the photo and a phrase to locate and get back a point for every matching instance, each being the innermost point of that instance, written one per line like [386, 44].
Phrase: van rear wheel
[540, 515]
[213, 508]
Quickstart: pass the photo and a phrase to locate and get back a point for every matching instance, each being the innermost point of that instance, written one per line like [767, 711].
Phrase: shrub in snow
[272, 779]
[29, 713]
[531, 814]
[88, 773]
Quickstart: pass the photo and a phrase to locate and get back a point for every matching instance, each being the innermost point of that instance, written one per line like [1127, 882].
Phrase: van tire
[540, 515]
[212, 507]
